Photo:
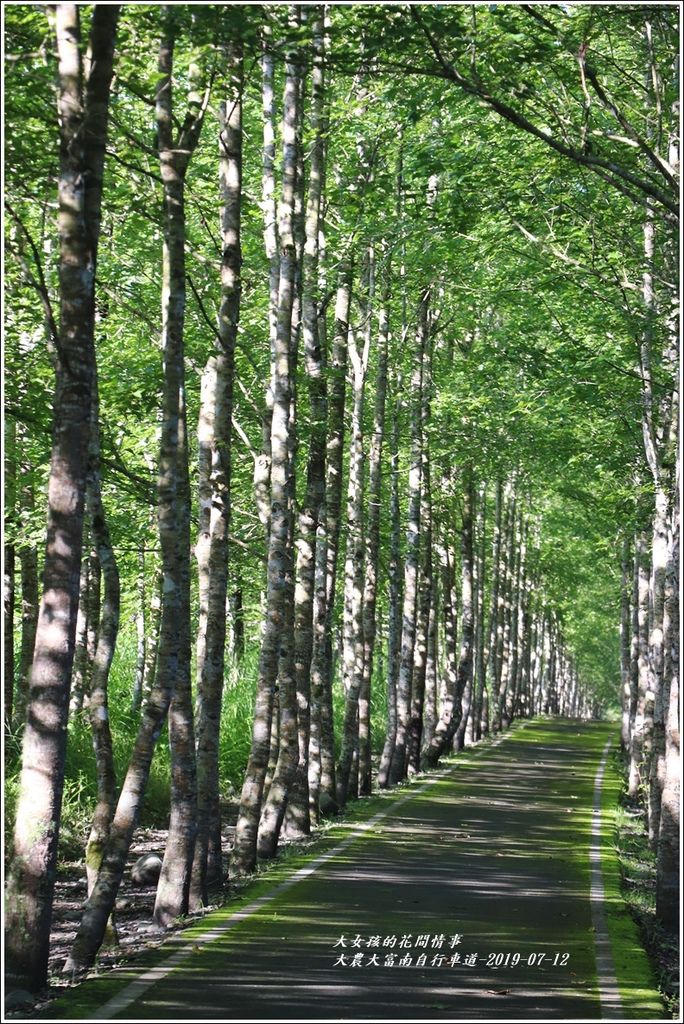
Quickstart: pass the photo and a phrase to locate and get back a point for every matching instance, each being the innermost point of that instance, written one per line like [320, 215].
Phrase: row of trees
[461, 299]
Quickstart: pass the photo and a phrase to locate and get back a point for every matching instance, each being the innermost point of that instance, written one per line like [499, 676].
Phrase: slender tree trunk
[415, 730]
[474, 731]
[518, 586]
[88, 604]
[373, 540]
[447, 708]
[174, 655]
[175, 548]
[496, 607]
[333, 503]
[284, 776]
[83, 122]
[625, 640]
[394, 615]
[277, 648]
[641, 734]
[656, 681]
[318, 657]
[430, 712]
[141, 628]
[262, 466]
[98, 706]
[353, 643]
[28, 558]
[634, 650]
[408, 633]
[522, 705]
[236, 624]
[540, 662]
[92, 617]
[452, 710]
[464, 682]
[415, 735]
[298, 821]
[154, 628]
[9, 578]
[394, 572]
[510, 562]
[667, 857]
[212, 551]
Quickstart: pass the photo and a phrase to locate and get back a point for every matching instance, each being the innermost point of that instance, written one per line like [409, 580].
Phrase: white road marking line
[123, 999]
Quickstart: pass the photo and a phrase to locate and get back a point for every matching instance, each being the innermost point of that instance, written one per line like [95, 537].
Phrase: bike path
[470, 900]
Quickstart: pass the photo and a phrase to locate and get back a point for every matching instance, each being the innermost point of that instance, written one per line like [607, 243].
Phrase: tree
[83, 109]
[215, 490]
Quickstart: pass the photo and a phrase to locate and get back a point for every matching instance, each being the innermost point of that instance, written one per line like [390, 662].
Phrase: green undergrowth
[80, 781]
[629, 869]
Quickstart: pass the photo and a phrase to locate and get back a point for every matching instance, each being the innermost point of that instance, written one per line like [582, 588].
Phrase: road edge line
[131, 992]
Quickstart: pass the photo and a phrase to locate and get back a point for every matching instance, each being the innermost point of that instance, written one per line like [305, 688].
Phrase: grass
[634, 884]
[80, 787]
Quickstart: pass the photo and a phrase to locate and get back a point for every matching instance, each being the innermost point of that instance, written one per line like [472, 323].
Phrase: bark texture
[215, 492]
[83, 113]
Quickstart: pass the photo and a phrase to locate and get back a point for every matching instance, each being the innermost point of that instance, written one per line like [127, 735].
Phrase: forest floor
[465, 894]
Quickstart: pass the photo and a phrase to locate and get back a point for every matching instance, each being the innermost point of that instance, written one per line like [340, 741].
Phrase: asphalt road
[470, 900]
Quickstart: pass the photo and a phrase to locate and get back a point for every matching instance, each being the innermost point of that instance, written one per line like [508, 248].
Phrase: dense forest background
[341, 347]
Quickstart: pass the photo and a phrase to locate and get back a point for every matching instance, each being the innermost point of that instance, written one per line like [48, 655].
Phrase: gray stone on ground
[147, 869]
[19, 999]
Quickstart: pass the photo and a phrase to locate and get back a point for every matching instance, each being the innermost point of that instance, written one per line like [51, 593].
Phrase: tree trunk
[353, 643]
[656, 682]
[153, 631]
[141, 629]
[496, 606]
[175, 548]
[174, 656]
[373, 539]
[641, 734]
[510, 698]
[9, 563]
[464, 682]
[475, 729]
[277, 648]
[98, 706]
[86, 633]
[505, 638]
[408, 632]
[452, 710]
[83, 123]
[415, 730]
[298, 821]
[625, 640]
[667, 858]
[28, 558]
[430, 713]
[323, 657]
[394, 614]
[634, 650]
[212, 548]
[262, 465]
